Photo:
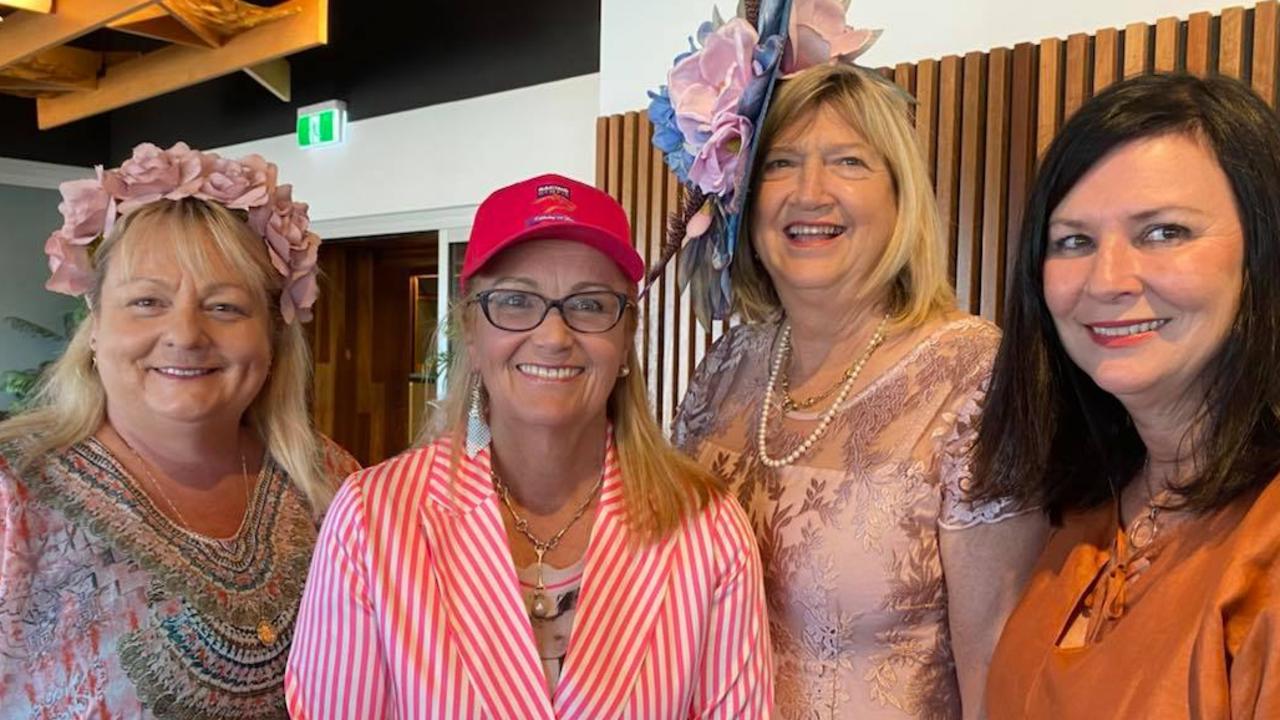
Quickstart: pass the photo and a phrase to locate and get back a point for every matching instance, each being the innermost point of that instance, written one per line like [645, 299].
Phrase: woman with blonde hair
[159, 499]
[546, 554]
[843, 410]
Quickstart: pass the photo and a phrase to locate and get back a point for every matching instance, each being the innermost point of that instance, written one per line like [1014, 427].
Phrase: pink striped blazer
[413, 610]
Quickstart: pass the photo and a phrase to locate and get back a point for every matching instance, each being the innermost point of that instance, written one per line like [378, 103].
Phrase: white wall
[639, 38]
[443, 156]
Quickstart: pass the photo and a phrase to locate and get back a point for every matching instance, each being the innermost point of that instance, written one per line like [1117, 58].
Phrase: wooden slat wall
[981, 121]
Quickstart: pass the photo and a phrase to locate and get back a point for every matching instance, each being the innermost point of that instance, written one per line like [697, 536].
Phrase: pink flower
[817, 35]
[87, 210]
[153, 173]
[293, 249]
[722, 157]
[70, 270]
[238, 184]
[710, 82]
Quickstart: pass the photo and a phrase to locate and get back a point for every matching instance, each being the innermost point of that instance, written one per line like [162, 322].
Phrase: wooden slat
[669, 327]
[904, 75]
[972, 151]
[630, 151]
[1266, 50]
[602, 152]
[641, 219]
[1076, 73]
[1137, 46]
[1199, 43]
[613, 177]
[947, 177]
[176, 67]
[1168, 51]
[24, 34]
[1106, 58]
[1022, 142]
[1231, 42]
[991, 238]
[659, 178]
[1049, 110]
[927, 113]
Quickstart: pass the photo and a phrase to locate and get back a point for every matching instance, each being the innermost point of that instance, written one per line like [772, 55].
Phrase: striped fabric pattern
[413, 610]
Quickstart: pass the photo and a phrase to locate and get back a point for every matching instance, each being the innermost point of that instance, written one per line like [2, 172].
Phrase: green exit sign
[322, 124]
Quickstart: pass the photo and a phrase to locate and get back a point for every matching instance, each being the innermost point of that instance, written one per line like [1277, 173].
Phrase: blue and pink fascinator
[706, 121]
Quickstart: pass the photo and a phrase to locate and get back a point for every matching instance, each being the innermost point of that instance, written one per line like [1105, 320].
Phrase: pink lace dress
[849, 533]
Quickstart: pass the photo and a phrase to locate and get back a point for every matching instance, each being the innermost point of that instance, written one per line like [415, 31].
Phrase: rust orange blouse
[1191, 631]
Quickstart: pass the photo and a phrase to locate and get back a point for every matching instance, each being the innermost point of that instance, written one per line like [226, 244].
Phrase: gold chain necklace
[789, 403]
[780, 360]
[267, 633]
[541, 606]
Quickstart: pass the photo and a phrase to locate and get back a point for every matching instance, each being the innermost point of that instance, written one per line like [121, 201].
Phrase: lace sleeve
[701, 402]
[956, 471]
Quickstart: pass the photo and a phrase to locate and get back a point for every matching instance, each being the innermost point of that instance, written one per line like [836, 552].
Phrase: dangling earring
[478, 435]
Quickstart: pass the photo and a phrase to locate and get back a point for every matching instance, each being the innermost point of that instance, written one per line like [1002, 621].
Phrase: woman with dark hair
[1135, 396]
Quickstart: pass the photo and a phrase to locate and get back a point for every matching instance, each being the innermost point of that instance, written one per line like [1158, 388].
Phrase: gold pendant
[267, 634]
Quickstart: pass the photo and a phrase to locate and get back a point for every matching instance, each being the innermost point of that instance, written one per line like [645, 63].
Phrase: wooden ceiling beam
[157, 23]
[181, 14]
[39, 6]
[177, 67]
[25, 34]
[63, 68]
[274, 75]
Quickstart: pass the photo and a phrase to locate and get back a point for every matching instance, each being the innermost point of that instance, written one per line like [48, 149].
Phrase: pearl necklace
[779, 361]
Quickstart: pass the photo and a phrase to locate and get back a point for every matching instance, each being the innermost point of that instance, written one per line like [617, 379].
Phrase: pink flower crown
[91, 207]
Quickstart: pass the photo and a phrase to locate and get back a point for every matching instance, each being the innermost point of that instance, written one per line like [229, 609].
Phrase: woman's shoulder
[745, 336]
[1256, 532]
[961, 331]
[338, 462]
[727, 524]
[957, 349]
[409, 469]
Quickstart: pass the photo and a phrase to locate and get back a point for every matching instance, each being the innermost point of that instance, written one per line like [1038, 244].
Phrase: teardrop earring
[478, 435]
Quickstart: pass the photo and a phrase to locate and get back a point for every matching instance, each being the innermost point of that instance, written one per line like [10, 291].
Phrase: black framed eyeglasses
[595, 311]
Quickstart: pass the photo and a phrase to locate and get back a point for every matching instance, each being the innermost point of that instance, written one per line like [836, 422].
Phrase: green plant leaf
[26, 327]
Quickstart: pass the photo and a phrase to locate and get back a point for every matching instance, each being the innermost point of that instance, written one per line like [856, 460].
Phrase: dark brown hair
[1050, 435]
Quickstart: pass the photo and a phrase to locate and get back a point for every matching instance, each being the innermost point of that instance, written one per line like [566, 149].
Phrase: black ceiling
[382, 57]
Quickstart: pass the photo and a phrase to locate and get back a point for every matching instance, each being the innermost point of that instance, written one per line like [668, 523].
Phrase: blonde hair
[661, 485]
[70, 404]
[913, 269]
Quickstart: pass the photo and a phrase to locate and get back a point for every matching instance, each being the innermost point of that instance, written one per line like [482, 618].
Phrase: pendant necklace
[541, 606]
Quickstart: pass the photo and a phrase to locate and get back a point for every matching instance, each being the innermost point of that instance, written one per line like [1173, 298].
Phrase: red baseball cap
[551, 207]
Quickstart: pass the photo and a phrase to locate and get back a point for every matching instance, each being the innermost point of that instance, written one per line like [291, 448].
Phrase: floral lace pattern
[108, 610]
[849, 535]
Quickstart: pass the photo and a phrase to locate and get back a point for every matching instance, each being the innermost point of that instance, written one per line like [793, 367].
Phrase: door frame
[452, 226]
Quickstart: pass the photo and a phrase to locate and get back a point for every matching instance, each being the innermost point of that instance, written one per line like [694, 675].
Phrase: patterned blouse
[109, 610]
[849, 533]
